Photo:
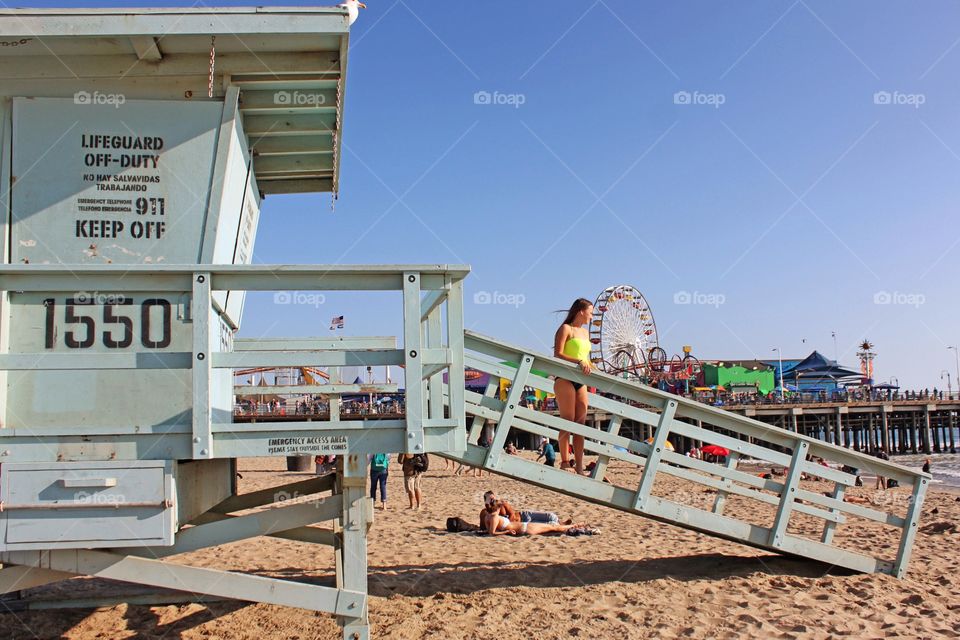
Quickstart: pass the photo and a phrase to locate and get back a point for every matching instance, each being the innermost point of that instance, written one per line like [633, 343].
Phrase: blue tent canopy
[817, 366]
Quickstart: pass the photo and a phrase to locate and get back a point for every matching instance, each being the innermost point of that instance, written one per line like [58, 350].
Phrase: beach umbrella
[715, 450]
[668, 444]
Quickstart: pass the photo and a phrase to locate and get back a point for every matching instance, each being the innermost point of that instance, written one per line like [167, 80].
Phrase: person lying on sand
[504, 508]
[502, 526]
[499, 518]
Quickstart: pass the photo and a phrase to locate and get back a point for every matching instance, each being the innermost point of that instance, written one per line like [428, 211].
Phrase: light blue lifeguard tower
[137, 148]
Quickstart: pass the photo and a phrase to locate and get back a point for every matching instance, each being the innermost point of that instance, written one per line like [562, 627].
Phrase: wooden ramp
[808, 519]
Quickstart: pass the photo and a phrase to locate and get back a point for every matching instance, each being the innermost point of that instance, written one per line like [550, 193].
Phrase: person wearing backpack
[379, 465]
[414, 466]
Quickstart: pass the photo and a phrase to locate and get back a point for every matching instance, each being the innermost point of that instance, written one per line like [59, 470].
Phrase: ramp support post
[352, 548]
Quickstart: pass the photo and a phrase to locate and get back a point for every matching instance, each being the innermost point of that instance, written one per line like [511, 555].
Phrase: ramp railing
[802, 513]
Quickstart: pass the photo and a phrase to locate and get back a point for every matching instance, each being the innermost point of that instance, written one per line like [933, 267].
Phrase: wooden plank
[268, 496]
[214, 582]
[315, 344]
[358, 358]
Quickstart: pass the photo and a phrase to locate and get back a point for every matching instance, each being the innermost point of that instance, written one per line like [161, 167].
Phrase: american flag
[336, 323]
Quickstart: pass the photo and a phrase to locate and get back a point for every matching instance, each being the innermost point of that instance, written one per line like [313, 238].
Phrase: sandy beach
[638, 579]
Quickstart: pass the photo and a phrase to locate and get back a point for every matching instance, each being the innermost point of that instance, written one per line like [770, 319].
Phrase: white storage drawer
[86, 505]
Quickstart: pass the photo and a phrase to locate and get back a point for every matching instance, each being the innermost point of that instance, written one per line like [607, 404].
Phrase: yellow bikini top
[578, 348]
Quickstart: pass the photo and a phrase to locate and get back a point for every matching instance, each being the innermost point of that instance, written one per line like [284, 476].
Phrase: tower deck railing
[90, 325]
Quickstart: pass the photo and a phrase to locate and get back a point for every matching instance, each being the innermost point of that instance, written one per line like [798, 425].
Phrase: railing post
[413, 360]
[509, 411]
[910, 528]
[600, 469]
[656, 453]
[432, 328]
[455, 377]
[721, 498]
[476, 425]
[790, 484]
[202, 347]
[830, 527]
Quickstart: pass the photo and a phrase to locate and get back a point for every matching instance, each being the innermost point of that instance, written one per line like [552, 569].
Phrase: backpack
[456, 525]
[380, 462]
[421, 463]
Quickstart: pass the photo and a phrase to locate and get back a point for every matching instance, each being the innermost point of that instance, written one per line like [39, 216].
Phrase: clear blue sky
[799, 199]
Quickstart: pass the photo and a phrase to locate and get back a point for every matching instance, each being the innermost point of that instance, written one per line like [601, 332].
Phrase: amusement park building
[747, 375]
[811, 374]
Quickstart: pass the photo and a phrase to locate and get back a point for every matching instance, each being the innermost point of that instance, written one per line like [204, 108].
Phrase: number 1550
[117, 333]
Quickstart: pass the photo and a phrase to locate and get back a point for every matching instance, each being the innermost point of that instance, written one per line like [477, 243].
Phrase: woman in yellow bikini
[572, 343]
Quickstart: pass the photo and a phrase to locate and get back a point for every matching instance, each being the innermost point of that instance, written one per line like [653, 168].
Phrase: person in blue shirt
[379, 467]
[548, 453]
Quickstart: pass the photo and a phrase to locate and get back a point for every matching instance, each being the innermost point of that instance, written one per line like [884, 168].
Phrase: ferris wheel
[623, 334]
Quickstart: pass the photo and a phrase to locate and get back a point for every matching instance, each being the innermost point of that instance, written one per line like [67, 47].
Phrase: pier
[896, 427]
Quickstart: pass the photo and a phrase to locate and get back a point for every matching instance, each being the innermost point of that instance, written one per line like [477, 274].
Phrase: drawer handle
[52, 506]
[88, 483]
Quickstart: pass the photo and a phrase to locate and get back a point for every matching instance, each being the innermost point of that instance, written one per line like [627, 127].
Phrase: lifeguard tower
[137, 148]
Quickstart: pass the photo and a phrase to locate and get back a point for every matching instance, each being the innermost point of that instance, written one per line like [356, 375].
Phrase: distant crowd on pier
[395, 405]
[317, 407]
[846, 395]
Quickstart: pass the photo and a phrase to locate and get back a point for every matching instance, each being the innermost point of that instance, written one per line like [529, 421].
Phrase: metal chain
[213, 62]
[336, 131]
